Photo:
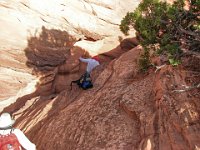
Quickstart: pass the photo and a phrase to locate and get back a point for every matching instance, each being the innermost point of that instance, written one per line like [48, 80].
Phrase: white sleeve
[23, 140]
[84, 60]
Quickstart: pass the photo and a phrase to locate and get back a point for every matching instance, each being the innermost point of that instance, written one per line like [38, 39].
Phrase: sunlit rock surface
[85, 19]
[14, 76]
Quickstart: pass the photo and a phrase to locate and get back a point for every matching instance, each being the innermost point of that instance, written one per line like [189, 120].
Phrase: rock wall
[125, 110]
[85, 19]
[47, 25]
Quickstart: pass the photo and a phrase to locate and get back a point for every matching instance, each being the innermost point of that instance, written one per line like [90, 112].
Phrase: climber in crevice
[85, 81]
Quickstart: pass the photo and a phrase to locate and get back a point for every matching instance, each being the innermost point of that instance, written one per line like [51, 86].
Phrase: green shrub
[164, 28]
[144, 61]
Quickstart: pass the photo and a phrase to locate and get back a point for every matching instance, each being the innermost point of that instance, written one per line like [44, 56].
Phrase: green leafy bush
[165, 28]
[144, 61]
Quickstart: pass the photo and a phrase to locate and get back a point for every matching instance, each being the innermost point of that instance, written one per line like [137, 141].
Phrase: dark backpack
[84, 82]
[9, 142]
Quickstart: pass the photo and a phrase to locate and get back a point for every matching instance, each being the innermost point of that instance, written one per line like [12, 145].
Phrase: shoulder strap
[12, 130]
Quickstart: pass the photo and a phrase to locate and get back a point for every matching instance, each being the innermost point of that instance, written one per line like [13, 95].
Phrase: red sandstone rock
[125, 110]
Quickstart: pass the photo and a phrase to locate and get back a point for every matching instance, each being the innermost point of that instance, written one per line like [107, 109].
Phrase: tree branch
[187, 88]
[189, 33]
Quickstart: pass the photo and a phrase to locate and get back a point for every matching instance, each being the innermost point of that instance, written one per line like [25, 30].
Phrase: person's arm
[84, 60]
[23, 140]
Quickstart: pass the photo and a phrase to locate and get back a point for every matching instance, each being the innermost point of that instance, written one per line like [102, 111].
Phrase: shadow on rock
[48, 50]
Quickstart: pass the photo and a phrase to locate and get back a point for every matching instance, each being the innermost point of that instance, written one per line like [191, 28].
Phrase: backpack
[84, 82]
[9, 142]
